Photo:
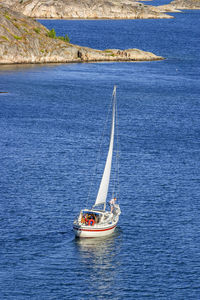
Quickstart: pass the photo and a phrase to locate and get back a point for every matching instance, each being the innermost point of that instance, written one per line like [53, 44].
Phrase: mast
[104, 185]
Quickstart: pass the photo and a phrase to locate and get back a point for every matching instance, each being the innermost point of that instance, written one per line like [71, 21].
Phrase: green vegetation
[64, 38]
[52, 34]
[16, 25]
[7, 17]
[17, 37]
[5, 28]
[4, 37]
[109, 52]
[37, 30]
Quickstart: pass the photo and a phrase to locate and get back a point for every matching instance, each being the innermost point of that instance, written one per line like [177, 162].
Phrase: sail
[104, 185]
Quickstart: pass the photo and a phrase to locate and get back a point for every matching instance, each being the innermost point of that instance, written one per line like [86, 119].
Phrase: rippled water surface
[51, 119]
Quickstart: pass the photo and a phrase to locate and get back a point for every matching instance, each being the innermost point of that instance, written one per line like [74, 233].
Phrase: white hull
[92, 232]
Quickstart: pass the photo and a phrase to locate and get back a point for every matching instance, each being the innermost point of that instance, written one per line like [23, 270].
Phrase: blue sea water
[50, 123]
[156, 2]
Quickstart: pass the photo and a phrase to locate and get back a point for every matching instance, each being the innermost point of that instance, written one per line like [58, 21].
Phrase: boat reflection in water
[99, 258]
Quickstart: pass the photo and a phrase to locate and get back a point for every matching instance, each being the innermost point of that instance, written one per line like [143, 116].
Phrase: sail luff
[104, 185]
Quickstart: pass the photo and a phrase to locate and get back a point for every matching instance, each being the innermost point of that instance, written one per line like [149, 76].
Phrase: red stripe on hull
[94, 230]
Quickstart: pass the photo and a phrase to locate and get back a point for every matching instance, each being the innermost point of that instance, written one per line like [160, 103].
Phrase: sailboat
[97, 221]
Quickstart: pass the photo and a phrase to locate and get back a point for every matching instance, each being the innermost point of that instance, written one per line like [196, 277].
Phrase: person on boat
[83, 219]
[112, 203]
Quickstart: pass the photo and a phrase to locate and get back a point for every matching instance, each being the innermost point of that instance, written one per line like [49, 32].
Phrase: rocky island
[86, 9]
[181, 4]
[24, 40]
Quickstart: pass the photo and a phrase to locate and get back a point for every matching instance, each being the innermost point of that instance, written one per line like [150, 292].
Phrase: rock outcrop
[23, 40]
[85, 9]
[181, 4]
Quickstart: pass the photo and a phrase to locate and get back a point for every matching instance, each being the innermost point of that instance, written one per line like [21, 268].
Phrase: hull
[91, 232]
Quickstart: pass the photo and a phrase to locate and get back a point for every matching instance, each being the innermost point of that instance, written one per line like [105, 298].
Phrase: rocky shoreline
[86, 9]
[176, 5]
[24, 40]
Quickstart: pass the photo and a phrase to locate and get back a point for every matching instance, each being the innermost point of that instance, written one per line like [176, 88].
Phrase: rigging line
[118, 154]
[116, 182]
[100, 149]
[114, 186]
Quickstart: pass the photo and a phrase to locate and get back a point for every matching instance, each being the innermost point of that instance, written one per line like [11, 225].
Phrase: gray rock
[23, 40]
[86, 9]
[181, 4]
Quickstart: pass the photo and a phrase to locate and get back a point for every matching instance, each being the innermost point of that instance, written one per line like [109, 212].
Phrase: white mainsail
[104, 185]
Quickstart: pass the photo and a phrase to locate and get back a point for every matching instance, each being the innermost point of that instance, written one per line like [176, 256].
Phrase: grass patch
[52, 34]
[37, 30]
[109, 52]
[16, 25]
[64, 38]
[17, 37]
[7, 17]
[4, 37]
